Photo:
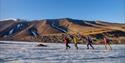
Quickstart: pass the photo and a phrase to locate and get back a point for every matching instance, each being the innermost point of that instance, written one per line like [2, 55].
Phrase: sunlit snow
[11, 31]
[28, 52]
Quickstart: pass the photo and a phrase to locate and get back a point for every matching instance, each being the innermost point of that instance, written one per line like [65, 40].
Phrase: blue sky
[106, 10]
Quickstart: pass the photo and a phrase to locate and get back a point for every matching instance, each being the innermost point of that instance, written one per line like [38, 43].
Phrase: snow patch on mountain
[14, 19]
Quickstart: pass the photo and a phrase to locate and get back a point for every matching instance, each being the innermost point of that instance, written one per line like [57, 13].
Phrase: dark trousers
[89, 44]
[67, 46]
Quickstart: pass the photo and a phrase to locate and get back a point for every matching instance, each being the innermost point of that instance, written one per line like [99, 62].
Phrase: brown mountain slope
[5, 24]
[30, 30]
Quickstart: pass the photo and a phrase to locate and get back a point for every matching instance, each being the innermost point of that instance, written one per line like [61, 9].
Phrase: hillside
[50, 30]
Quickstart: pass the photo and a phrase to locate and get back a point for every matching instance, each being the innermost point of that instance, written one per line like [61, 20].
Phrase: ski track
[27, 52]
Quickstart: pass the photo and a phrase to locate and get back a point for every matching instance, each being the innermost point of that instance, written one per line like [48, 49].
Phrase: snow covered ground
[27, 52]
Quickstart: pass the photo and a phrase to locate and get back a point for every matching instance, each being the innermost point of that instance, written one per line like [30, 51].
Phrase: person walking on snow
[106, 42]
[89, 42]
[75, 40]
[66, 41]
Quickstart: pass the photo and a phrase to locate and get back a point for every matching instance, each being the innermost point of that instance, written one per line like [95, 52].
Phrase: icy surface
[28, 52]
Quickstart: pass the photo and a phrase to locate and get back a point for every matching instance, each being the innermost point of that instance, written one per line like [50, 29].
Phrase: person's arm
[104, 39]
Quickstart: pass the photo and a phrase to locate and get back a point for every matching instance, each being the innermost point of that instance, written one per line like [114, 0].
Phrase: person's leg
[110, 46]
[91, 46]
[88, 46]
[66, 46]
[106, 46]
[76, 46]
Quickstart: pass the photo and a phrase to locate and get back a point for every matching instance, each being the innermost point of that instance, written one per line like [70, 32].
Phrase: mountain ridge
[25, 30]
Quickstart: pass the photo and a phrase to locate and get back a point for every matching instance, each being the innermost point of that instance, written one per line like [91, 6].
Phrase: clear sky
[106, 10]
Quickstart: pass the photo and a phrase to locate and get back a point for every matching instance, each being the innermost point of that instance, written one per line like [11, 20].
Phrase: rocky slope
[51, 30]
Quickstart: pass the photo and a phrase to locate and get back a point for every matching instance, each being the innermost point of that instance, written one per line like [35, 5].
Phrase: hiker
[106, 42]
[80, 36]
[89, 42]
[66, 41]
[75, 40]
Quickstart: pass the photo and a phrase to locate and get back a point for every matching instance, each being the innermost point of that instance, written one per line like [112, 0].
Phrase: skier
[89, 42]
[75, 40]
[66, 41]
[106, 42]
